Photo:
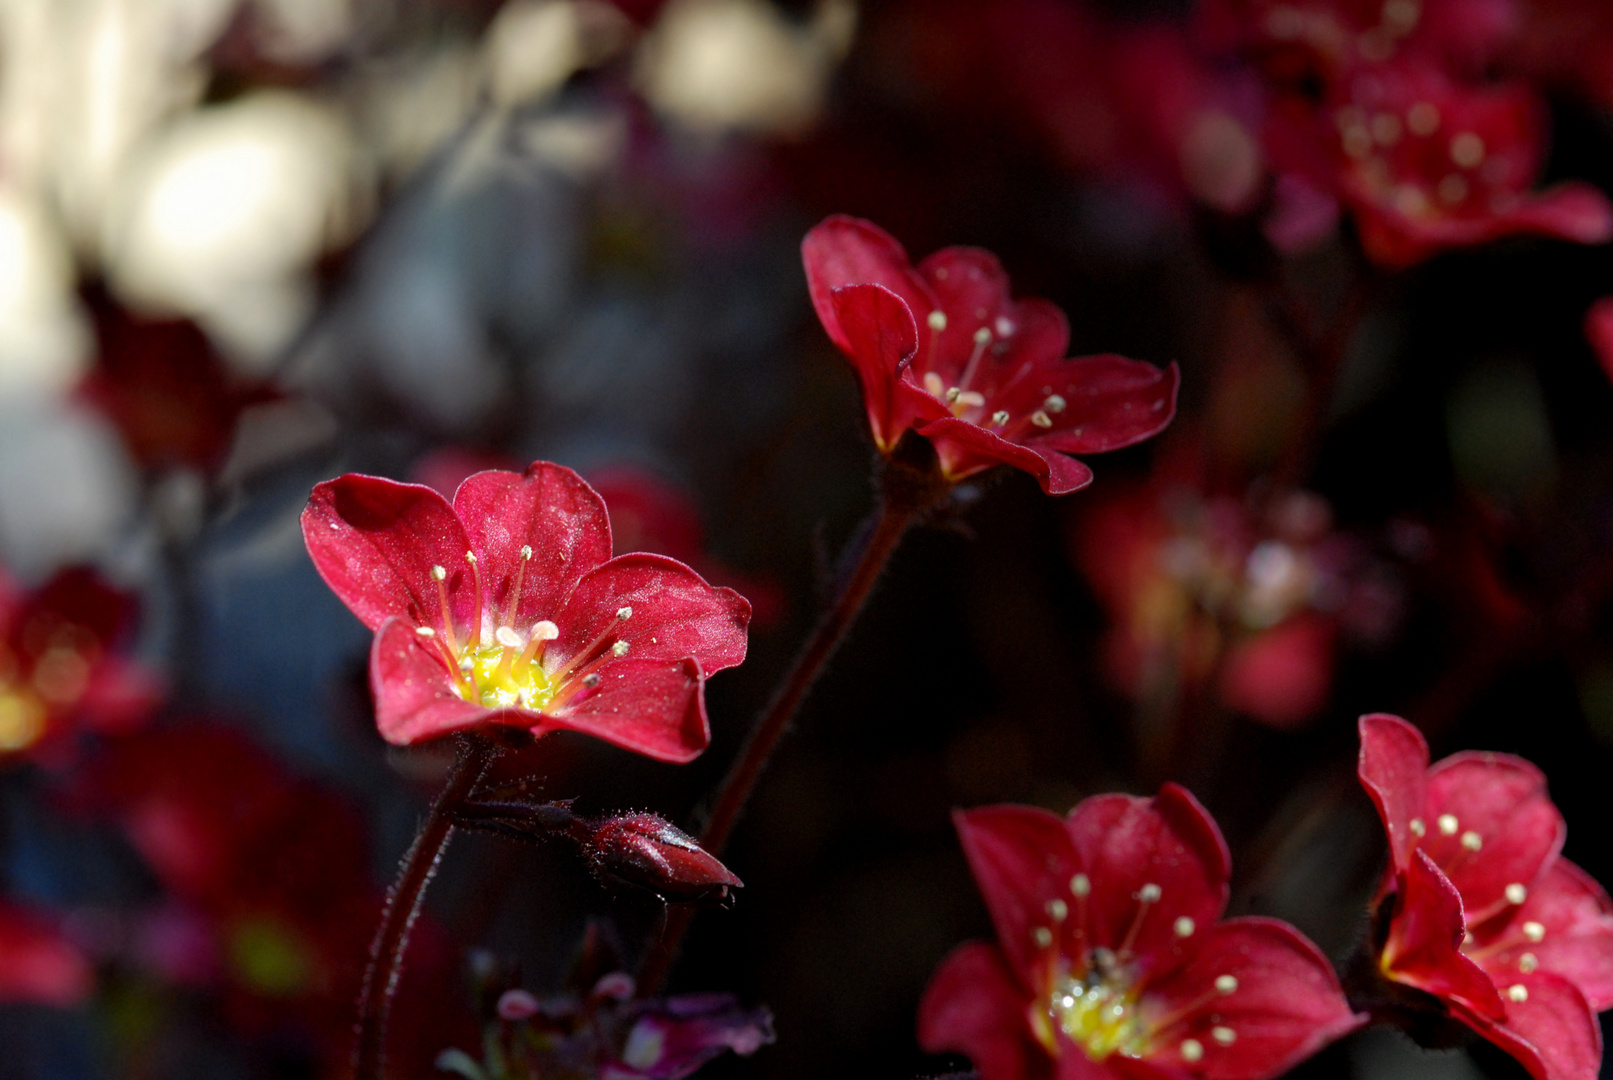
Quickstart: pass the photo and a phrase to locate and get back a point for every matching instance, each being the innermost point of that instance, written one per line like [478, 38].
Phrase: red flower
[507, 608]
[1111, 960]
[1599, 332]
[37, 964]
[1515, 941]
[59, 669]
[1428, 163]
[990, 385]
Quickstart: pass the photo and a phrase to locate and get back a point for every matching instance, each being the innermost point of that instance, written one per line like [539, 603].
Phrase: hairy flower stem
[473, 754]
[906, 493]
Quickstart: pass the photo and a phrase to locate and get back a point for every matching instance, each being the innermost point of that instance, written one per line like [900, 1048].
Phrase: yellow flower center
[1097, 1016]
[498, 677]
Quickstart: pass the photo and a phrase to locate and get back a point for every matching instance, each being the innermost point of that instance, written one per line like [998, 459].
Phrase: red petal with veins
[1021, 858]
[972, 290]
[881, 339]
[1577, 917]
[676, 614]
[414, 695]
[842, 251]
[1393, 767]
[1425, 940]
[1110, 402]
[1553, 1033]
[1287, 1003]
[374, 541]
[1009, 369]
[1502, 799]
[1125, 843]
[966, 449]
[974, 1007]
[548, 507]
[651, 707]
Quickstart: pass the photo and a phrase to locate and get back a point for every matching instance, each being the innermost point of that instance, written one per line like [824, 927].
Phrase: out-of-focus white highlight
[718, 65]
[223, 213]
[534, 46]
[43, 344]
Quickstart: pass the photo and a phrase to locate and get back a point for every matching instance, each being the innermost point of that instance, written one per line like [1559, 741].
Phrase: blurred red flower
[60, 669]
[1483, 913]
[1111, 959]
[1427, 162]
[990, 386]
[38, 965]
[1599, 332]
[507, 608]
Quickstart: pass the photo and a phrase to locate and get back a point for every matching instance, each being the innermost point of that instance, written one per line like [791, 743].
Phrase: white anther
[1081, 885]
[1057, 909]
[624, 613]
[983, 336]
[1223, 1036]
[933, 383]
[1472, 840]
[1000, 417]
[1516, 893]
[1043, 937]
[937, 321]
[1005, 326]
[1528, 963]
[1423, 118]
[1054, 404]
[544, 630]
[1041, 419]
[620, 648]
[1448, 825]
[1150, 893]
[1226, 984]
[466, 663]
[425, 631]
[470, 557]
[971, 399]
[1192, 1051]
[1535, 932]
[1184, 926]
[592, 680]
[1467, 150]
[952, 394]
[526, 551]
[1518, 992]
[507, 637]
[439, 574]
[1418, 829]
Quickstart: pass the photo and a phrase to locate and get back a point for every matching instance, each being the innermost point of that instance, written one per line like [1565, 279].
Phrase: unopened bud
[645, 850]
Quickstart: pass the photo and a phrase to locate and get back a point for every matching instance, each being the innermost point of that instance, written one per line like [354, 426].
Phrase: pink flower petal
[1425, 941]
[880, 341]
[966, 449]
[842, 251]
[974, 1007]
[1575, 920]
[653, 707]
[414, 695]
[1286, 1003]
[1393, 767]
[1549, 1028]
[374, 541]
[1021, 858]
[1502, 800]
[674, 614]
[548, 508]
[1110, 402]
[1167, 847]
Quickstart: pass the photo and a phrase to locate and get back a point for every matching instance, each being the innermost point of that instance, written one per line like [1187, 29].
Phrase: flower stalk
[909, 487]
[473, 754]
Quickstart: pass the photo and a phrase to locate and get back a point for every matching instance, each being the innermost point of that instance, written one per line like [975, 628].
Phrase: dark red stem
[906, 493]
[403, 905]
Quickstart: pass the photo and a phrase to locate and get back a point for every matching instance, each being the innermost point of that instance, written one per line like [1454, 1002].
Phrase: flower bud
[645, 850]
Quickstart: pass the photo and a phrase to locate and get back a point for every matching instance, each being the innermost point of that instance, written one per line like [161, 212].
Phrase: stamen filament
[440, 576]
[477, 630]
[514, 602]
[982, 339]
